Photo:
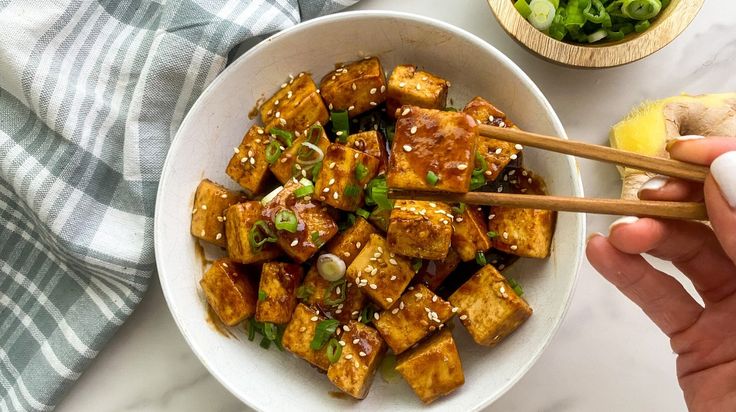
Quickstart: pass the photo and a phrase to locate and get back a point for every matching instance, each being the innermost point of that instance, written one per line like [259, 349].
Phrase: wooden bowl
[668, 25]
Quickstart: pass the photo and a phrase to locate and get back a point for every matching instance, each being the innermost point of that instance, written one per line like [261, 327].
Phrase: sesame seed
[302, 329]
[424, 79]
[459, 220]
[204, 207]
[505, 235]
[514, 247]
[500, 189]
[402, 84]
[462, 166]
[260, 131]
[201, 233]
[432, 204]
[419, 87]
[345, 328]
[314, 318]
[339, 132]
[463, 317]
[335, 195]
[351, 108]
[278, 114]
[407, 148]
[348, 357]
[501, 124]
[413, 130]
[373, 91]
[376, 316]
[373, 103]
[406, 111]
[342, 343]
[383, 88]
[357, 245]
[194, 210]
[394, 311]
[362, 354]
[326, 190]
[218, 236]
[455, 309]
[244, 160]
[513, 157]
[283, 85]
[289, 94]
[393, 277]
[373, 286]
[357, 365]
[434, 298]
[220, 219]
[330, 105]
[518, 147]
[332, 165]
[389, 300]
[499, 151]
[346, 254]
[353, 86]
[418, 295]
[393, 262]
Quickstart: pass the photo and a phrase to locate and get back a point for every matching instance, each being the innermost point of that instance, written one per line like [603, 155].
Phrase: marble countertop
[607, 356]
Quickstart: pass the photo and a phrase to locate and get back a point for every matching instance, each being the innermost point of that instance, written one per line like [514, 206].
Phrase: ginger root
[649, 127]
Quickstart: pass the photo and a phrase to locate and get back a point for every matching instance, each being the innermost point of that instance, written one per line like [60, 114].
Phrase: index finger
[701, 151]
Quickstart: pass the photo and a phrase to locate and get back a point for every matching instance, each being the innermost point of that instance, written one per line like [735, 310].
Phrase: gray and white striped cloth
[91, 95]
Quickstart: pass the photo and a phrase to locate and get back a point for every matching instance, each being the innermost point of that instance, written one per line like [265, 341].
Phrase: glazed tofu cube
[295, 106]
[380, 274]
[433, 368]
[315, 225]
[356, 87]
[372, 143]
[353, 372]
[248, 166]
[488, 306]
[409, 86]
[343, 300]
[277, 292]
[240, 219]
[208, 215]
[379, 218]
[418, 313]
[470, 233]
[432, 150]
[299, 333]
[350, 242]
[434, 272]
[230, 292]
[286, 166]
[338, 184]
[522, 232]
[496, 153]
[420, 229]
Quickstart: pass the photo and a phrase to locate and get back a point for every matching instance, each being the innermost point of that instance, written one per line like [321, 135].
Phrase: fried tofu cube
[347, 244]
[230, 292]
[356, 87]
[248, 166]
[295, 106]
[470, 233]
[496, 153]
[208, 215]
[353, 372]
[338, 184]
[433, 368]
[420, 229]
[380, 273]
[434, 272]
[418, 313]
[277, 292]
[409, 86]
[372, 143]
[432, 150]
[286, 166]
[299, 333]
[343, 300]
[488, 306]
[522, 232]
[315, 225]
[239, 220]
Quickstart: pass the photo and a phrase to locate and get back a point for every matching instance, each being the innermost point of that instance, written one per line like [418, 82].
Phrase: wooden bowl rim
[678, 15]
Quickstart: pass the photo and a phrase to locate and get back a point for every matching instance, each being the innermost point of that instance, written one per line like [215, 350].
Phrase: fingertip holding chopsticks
[662, 166]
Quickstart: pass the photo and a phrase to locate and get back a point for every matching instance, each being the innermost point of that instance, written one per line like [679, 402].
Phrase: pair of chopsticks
[662, 166]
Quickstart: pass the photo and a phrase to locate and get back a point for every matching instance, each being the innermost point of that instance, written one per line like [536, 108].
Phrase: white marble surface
[606, 357]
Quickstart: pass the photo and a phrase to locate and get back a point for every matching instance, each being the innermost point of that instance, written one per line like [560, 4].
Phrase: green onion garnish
[523, 7]
[492, 234]
[542, 12]
[304, 292]
[351, 190]
[273, 151]
[432, 178]
[340, 123]
[283, 135]
[516, 286]
[366, 315]
[363, 213]
[303, 191]
[478, 179]
[251, 329]
[361, 172]
[269, 330]
[416, 264]
[377, 194]
[260, 234]
[262, 295]
[459, 209]
[333, 351]
[341, 283]
[641, 9]
[641, 26]
[323, 332]
[286, 220]
[480, 258]
[265, 343]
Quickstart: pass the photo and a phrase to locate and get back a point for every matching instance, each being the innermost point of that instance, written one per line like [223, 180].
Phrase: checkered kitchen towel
[91, 95]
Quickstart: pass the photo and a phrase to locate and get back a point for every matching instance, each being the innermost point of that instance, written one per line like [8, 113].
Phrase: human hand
[703, 337]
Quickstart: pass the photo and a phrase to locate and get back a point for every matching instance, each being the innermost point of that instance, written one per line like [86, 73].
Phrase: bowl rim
[664, 30]
[577, 185]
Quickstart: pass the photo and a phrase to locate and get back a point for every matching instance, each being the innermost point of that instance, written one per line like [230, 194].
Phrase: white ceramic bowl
[271, 380]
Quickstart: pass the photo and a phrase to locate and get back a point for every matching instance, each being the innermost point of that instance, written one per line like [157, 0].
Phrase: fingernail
[654, 183]
[592, 235]
[723, 170]
[627, 220]
[682, 139]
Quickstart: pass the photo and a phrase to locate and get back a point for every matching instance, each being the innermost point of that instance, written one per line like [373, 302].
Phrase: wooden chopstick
[669, 210]
[667, 167]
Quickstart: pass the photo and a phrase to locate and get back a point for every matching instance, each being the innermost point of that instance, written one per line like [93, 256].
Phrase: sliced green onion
[523, 7]
[377, 194]
[260, 234]
[323, 332]
[265, 343]
[480, 258]
[340, 123]
[333, 351]
[304, 292]
[351, 190]
[432, 178]
[388, 369]
[283, 135]
[598, 35]
[574, 14]
[305, 182]
[516, 286]
[641, 9]
[450, 109]
[478, 179]
[269, 197]
[305, 156]
[341, 284]
[315, 132]
[273, 152]
[366, 315]
[542, 13]
[316, 239]
[286, 220]
[269, 330]
[262, 295]
[348, 222]
[416, 264]
[459, 209]
[615, 35]
[361, 172]
[251, 329]
[641, 26]
[557, 29]
[316, 168]
[331, 267]
[304, 191]
[601, 17]
[492, 234]
[363, 213]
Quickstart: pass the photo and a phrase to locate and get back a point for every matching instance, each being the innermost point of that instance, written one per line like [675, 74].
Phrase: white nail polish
[626, 220]
[592, 235]
[654, 183]
[689, 137]
[723, 170]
